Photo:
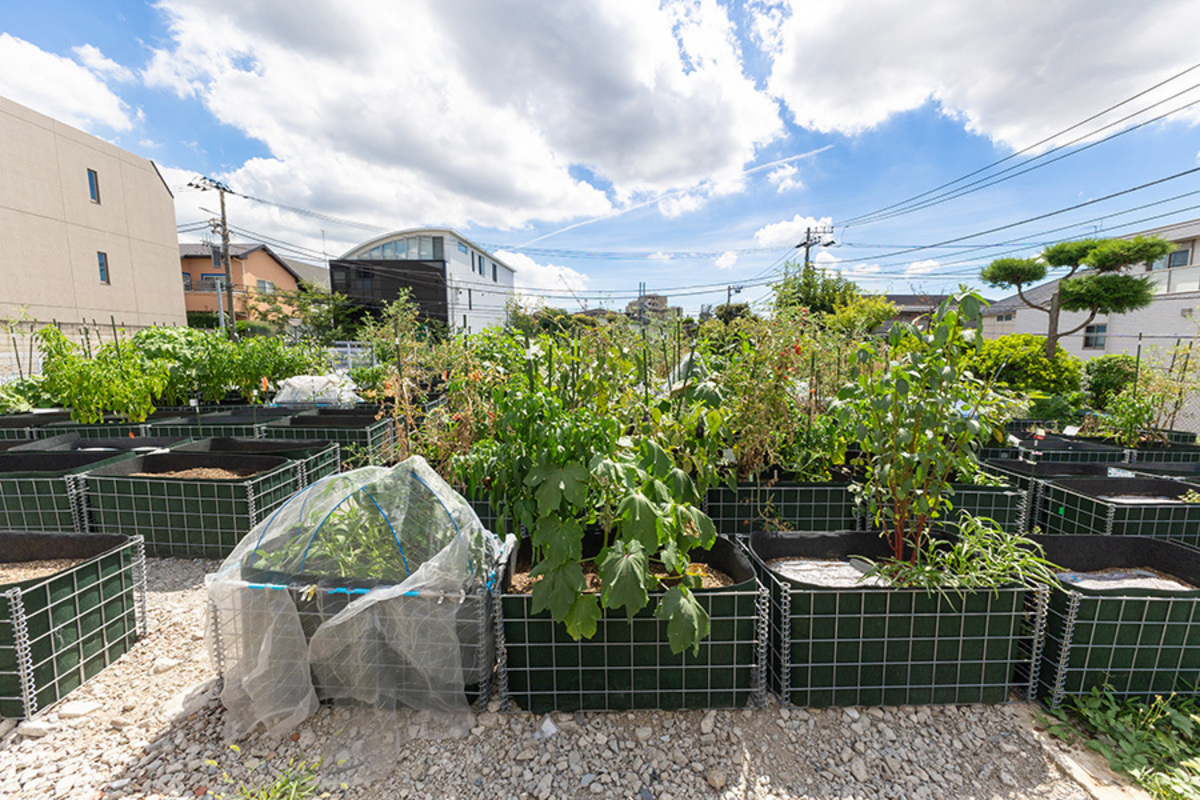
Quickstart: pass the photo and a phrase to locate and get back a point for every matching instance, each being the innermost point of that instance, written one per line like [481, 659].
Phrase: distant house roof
[239, 250]
[358, 250]
[312, 274]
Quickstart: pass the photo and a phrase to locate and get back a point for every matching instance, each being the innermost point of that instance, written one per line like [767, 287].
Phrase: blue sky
[599, 145]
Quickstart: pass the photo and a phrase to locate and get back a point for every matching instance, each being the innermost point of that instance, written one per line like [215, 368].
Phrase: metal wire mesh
[628, 664]
[782, 506]
[1007, 505]
[58, 632]
[1134, 645]
[1079, 506]
[196, 518]
[873, 646]
[38, 503]
[1175, 453]
[374, 442]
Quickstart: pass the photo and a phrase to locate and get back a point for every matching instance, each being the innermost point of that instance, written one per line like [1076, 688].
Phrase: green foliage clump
[1019, 362]
[1157, 743]
[203, 319]
[860, 315]
[1107, 376]
[1062, 409]
[118, 378]
[808, 287]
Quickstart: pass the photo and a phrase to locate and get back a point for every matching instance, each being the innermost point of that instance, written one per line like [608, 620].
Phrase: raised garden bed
[1070, 450]
[22, 426]
[73, 442]
[1179, 470]
[628, 664]
[877, 645]
[780, 506]
[59, 630]
[363, 438]
[1030, 477]
[42, 492]
[1121, 507]
[317, 458]
[192, 517]
[111, 428]
[1135, 641]
[244, 422]
[1164, 453]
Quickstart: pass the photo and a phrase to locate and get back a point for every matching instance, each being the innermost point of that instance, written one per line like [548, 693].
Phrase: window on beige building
[94, 186]
[102, 262]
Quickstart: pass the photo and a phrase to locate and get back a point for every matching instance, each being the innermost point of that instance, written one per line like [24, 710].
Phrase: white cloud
[91, 57]
[533, 279]
[59, 87]
[678, 205]
[660, 256]
[789, 231]
[921, 267]
[727, 260]
[784, 178]
[1015, 71]
[474, 112]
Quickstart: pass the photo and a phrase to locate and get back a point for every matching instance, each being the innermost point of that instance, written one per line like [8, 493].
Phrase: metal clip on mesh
[24, 657]
[1040, 613]
[1064, 648]
[139, 585]
[758, 693]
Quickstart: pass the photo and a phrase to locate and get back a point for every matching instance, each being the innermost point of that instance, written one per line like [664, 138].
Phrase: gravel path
[148, 725]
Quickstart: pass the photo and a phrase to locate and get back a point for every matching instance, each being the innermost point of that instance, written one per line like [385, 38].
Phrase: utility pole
[222, 226]
[815, 236]
[729, 292]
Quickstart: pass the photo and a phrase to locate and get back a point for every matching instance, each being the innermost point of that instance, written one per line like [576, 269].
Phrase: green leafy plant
[296, 781]
[1019, 362]
[1108, 375]
[1157, 743]
[918, 417]
[1190, 496]
[118, 378]
[981, 556]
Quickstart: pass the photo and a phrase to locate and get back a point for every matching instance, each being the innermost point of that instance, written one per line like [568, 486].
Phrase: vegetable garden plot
[628, 664]
[317, 458]
[22, 426]
[1121, 507]
[371, 587]
[874, 645]
[192, 517]
[791, 506]
[42, 491]
[360, 435]
[1030, 478]
[248, 422]
[73, 442]
[1138, 642]
[57, 632]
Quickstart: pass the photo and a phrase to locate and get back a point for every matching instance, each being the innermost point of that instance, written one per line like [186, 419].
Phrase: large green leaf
[623, 572]
[654, 459]
[560, 540]
[638, 517]
[582, 618]
[681, 486]
[555, 483]
[687, 621]
[558, 589]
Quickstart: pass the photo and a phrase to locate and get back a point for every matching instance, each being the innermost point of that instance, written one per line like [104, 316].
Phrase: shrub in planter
[1153, 507]
[949, 626]
[41, 492]
[61, 625]
[197, 505]
[1118, 618]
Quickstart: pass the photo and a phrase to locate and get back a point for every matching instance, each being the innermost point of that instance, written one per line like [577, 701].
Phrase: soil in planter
[29, 570]
[1126, 578]
[821, 572]
[522, 583]
[200, 473]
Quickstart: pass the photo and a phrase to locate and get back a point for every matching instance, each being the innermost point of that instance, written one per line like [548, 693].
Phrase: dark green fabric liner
[1073, 506]
[794, 506]
[240, 422]
[1179, 470]
[886, 646]
[629, 664]
[34, 491]
[124, 444]
[188, 517]
[111, 428]
[23, 426]
[1171, 453]
[79, 621]
[1121, 642]
[362, 437]
[1069, 449]
[315, 454]
[1030, 477]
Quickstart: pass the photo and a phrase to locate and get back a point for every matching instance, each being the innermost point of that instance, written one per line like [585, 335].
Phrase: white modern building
[1170, 317]
[452, 279]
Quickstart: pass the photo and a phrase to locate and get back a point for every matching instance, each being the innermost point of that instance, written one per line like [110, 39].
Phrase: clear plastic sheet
[367, 588]
[317, 390]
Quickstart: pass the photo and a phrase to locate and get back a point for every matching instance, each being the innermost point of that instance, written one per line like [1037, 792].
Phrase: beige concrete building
[88, 228]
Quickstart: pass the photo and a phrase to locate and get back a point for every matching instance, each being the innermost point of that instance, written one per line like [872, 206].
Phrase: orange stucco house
[257, 272]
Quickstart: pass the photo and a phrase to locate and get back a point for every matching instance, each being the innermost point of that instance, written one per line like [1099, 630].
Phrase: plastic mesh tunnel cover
[350, 592]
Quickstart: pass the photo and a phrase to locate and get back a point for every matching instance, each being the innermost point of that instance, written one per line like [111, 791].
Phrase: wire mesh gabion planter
[1135, 641]
[882, 645]
[363, 438]
[57, 632]
[194, 517]
[21, 427]
[317, 458]
[794, 506]
[628, 664]
[243, 422]
[1121, 507]
[43, 492]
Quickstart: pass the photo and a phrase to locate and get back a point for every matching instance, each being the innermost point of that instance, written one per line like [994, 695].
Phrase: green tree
[860, 315]
[810, 288]
[728, 312]
[1105, 289]
[324, 316]
[1019, 362]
